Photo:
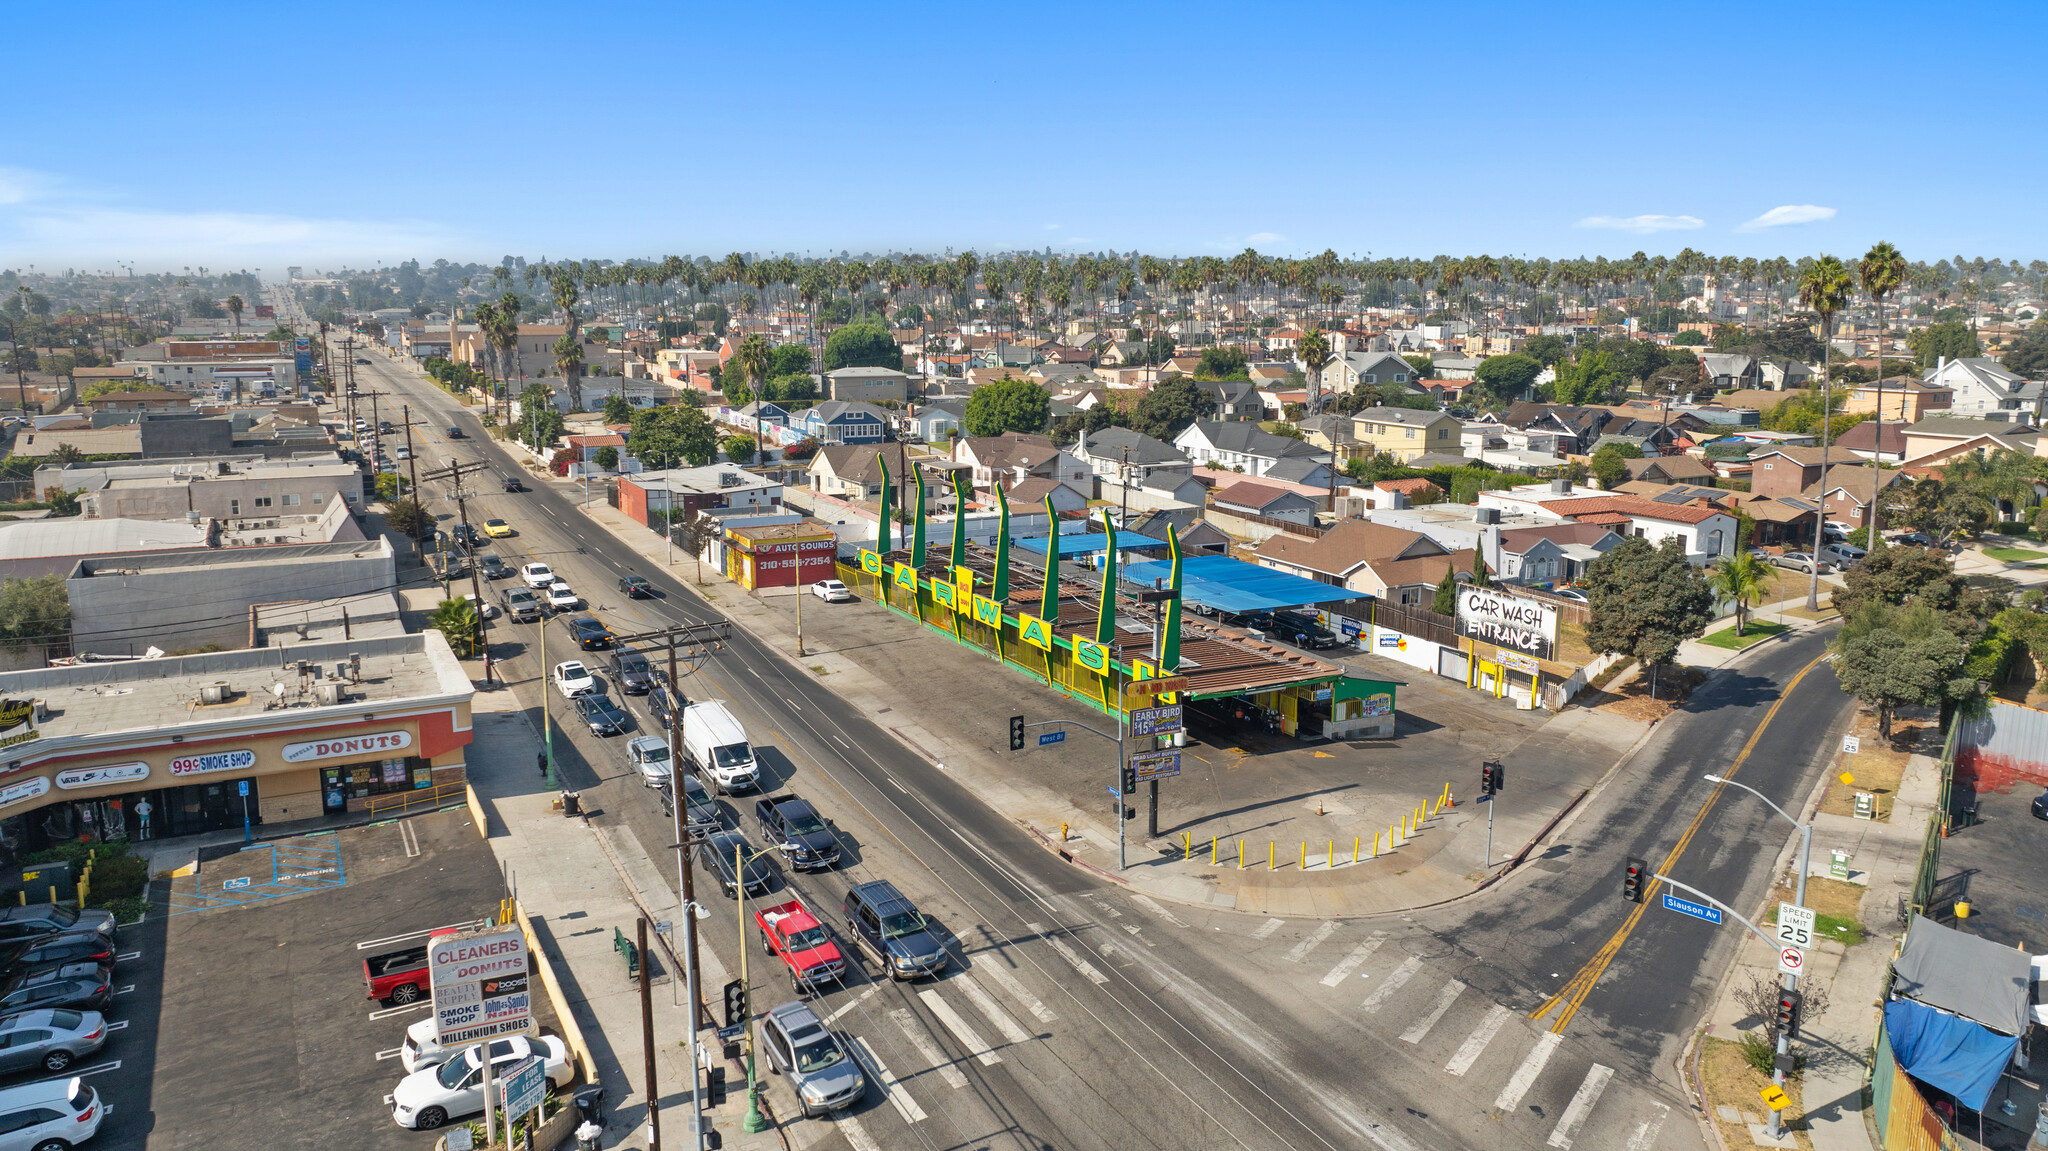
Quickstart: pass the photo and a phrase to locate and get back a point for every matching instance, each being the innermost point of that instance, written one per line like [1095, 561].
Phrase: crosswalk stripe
[1013, 1032]
[1355, 960]
[966, 1034]
[1575, 1112]
[1444, 998]
[1314, 940]
[1267, 929]
[851, 1004]
[1475, 1044]
[879, 1072]
[1646, 1135]
[1532, 1065]
[1395, 979]
[1074, 960]
[928, 1050]
[1020, 993]
[1147, 903]
[856, 1135]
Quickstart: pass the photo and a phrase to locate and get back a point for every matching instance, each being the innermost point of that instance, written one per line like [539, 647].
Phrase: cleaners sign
[479, 984]
[1508, 621]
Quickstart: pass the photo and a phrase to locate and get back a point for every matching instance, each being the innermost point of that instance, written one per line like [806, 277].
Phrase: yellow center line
[1581, 984]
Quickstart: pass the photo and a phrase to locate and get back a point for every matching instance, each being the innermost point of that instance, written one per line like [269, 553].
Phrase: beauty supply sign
[479, 984]
[1491, 616]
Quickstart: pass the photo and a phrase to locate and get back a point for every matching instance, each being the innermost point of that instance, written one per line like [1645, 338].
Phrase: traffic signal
[1633, 878]
[735, 1003]
[1788, 1013]
[1489, 778]
[1130, 780]
[1016, 733]
[1500, 776]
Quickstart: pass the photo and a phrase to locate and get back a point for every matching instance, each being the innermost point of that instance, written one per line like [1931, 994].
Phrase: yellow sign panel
[988, 611]
[1091, 655]
[1774, 1097]
[963, 585]
[1033, 631]
[906, 577]
[870, 562]
[1143, 669]
[944, 594]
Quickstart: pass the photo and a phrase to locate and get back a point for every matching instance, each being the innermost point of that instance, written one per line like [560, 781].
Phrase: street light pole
[754, 1123]
[1789, 980]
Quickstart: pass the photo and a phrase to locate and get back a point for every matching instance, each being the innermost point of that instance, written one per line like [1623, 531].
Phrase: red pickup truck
[399, 977]
[792, 932]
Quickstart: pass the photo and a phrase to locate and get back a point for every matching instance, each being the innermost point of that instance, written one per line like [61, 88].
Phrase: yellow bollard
[1304, 855]
[1272, 859]
[53, 893]
[1187, 845]
[1354, 848]
[1240, 855]
[1212, 851]
[1418, 815]
[1063, 833]
[1333, 854]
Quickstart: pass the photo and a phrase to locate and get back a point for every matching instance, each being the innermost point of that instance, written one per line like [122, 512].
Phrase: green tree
[1505, 379]
[1313, 352]
[1883, 271]
[607, 457]
[95, 390]
[617, 410]
[1888, 670]
[663, 435]
[390, 486]
[1423, 366]
[1740, 579]
[1170, 407]
[1895, 577]
[1224, 363]
[1007, 406]
[789, 360]
[751, 359]
[863, 345]
[1546, 350]
[794, 390]
[1586, 380]
[456, 619]
[1824, 289]
[406, 517]
[1951, 338]
[1609, 467]
[739, 449]
[1690, 338]
[1644, 601]
[235, 310]
[1446, 600]
[34, 611]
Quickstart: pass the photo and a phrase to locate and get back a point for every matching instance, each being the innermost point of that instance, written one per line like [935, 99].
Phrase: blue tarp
[1234, 585]
[1947, 1051]
[1082, 545]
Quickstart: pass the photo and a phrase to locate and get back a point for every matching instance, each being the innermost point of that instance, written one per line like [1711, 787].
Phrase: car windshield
[61, 916]
[818, 1054]
[901, 924]
[633, 663]
[809, 937]
[733, 755]
[452, 1073]
[654, 753]
[574, 671]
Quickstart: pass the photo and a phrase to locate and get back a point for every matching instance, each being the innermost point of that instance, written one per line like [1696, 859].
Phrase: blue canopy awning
[1088, 544]
[1234, 585]
[1947, 1051]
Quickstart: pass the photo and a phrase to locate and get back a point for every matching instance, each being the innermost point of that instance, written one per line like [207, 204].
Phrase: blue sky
[231, 136]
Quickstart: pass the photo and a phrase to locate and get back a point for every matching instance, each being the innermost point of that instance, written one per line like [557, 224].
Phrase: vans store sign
[1524, 625]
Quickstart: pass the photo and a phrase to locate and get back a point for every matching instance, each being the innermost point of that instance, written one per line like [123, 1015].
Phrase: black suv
[635, 587]
[889, 927]
[794, 827]
[1302, 630]
[590, 633]
[45, 919]
[632, 672]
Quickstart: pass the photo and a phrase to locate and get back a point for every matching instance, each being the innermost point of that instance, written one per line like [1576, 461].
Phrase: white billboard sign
[479, 984]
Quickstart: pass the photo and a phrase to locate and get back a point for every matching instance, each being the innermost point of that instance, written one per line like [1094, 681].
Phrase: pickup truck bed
[397, 976]
[790, 931]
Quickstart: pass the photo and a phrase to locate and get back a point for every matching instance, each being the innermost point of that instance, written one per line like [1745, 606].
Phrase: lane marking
[880, 1073]
[1395, 979]
[1518, 1084]
[1021, 994]
[856, 1135]
[1013, 1031]
[1355, 960]
[118, 1025]
[850, 1004]
[1075, 961]
[125, 990]
[125, 956]
[1444, 998]
[391, 1054]
[1267, 928]
[1575, 1112]
[927, 1049]
[79, 1072]
[1646, 1135]
[1146, 903]
[1315, 940]
[388, 1012]
[1474, 1046]
[976, 1046]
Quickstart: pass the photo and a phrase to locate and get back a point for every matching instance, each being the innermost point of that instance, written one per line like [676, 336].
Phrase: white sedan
[573, 679]
[562, 597]
[430, 1097]
[537, 575]
[831, 591]
[484, 608]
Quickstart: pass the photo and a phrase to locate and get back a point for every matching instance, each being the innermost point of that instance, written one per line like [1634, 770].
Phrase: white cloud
[1643, 225]
[1788, 214]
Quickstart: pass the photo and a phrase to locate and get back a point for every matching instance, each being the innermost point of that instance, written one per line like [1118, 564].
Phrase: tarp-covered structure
[1947, 1051]
[1233, 585]
[1963, 1003]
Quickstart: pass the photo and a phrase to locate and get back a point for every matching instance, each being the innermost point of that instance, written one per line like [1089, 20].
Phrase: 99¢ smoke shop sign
[239, 760]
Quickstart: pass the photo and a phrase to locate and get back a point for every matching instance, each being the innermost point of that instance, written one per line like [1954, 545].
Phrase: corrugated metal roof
[2007, 745]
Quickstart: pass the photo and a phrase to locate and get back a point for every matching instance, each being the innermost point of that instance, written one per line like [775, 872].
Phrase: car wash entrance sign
[1491, 616]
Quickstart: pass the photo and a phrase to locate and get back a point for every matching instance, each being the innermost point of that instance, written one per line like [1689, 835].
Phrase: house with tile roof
[1396, 565]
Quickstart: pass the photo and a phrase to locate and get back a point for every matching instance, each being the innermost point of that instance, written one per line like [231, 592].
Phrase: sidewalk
[1698, 653]
[1829, 1107]
[579, 883]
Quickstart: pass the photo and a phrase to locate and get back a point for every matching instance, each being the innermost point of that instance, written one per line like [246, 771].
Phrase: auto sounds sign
[1491, 616]
[479, 984]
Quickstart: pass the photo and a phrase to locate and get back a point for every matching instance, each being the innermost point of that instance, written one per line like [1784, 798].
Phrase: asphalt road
[1209, 1027]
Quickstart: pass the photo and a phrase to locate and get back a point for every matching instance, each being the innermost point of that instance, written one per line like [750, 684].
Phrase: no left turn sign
[1791, 960]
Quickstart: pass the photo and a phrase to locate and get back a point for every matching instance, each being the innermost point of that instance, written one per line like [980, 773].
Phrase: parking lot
[242, 1011]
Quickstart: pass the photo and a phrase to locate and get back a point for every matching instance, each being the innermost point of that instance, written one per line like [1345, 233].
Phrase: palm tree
[752, 357]
[1823, 289]
[1884, 271]
[1313, 350]
[505, 337]
[235, 309]
[1740, 579]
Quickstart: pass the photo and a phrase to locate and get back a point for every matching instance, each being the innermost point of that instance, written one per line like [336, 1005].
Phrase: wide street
[1078, 1016]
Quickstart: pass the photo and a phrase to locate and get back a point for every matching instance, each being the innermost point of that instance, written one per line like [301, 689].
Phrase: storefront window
[378, 777]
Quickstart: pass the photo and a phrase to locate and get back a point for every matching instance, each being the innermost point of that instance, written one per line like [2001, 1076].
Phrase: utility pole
[460, 494]
[685, 875]
[647, 1042]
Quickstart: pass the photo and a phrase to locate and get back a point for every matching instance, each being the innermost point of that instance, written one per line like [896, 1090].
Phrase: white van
[717, 747]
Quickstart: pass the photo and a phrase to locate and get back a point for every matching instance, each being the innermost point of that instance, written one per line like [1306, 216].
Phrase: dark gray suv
[889, 927]
[632, 672]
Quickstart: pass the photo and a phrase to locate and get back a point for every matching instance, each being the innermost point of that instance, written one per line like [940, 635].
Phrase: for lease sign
[1489, 615]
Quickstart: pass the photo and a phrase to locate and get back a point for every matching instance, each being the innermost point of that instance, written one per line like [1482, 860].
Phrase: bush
[120, 878]
[76, 854]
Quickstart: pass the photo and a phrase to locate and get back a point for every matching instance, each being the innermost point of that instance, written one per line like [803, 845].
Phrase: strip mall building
[295, 733]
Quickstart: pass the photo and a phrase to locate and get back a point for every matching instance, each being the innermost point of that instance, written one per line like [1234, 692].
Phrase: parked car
[498, 529]
[53, 987]
[50, 1039]
[1836, 529]
[590, 632]
[398, 976]
[1571, 593]
[49, 1115]
[522, 604]
[632, 672]
[491, 567]
[888, 926]
[649, 755]
[537, 575]
[514, 484]
[1913, 539]
[831, 591]
[2041, 806]
[46, 919]
[428, 1098]
[798, 1044]
[404, 453]
[573, 679]
[88, 948]
[716, 855]
[1800, 562]
[603, 716]
[1302, 629]
[484, 607]
[793, 827]
[635, 586]
[1842, 554]
[790, 931]
[562, 597]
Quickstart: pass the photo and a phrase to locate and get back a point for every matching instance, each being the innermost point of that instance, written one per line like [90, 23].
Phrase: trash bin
[572, 804]
[589, 1104]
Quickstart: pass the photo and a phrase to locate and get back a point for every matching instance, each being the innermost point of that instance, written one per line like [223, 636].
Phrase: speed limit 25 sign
[1795, 926]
